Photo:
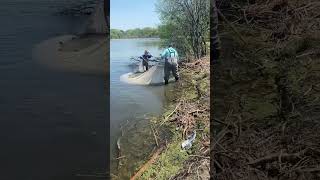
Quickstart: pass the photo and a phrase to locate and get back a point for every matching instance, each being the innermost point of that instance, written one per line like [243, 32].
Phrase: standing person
[145, 59]
[170, 55]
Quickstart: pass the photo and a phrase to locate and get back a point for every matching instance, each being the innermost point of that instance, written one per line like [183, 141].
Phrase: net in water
[154, 76]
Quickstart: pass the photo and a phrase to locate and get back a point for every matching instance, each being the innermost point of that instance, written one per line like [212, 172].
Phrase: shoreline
[191, 93]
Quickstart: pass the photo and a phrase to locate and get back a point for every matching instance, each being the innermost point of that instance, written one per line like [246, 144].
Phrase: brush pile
[277, 19]
[193, 105]
[267, 101]
[191, 113]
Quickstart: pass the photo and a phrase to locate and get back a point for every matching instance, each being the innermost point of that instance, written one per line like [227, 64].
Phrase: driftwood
[148, 163]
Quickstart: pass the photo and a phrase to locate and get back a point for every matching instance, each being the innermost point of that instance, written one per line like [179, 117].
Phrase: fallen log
[148, 163]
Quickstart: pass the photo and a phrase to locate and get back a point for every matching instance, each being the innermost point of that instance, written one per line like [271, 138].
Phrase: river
[52, 122]
[131, 106]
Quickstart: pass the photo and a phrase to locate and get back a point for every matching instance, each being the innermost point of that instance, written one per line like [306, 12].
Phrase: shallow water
[128, 101]
[52, 123]
[131, 105]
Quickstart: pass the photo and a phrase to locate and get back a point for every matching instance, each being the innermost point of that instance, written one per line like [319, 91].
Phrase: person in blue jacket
[145, 59]
[170, 56]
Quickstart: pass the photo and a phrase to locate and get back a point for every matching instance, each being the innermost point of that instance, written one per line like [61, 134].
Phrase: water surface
[131, 106]
[52, 122]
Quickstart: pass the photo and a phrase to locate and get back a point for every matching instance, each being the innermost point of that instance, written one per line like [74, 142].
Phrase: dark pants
[145, 63]
[168, 68]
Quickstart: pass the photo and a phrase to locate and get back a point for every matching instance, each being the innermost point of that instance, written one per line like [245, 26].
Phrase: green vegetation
[190, 94]
[186, 24]
[169, 163]
[134, 33]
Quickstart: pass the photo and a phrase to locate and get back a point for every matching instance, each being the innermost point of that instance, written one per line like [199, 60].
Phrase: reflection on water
[52, 122]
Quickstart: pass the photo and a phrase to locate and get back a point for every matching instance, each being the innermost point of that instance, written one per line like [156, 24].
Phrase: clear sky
[130, 14]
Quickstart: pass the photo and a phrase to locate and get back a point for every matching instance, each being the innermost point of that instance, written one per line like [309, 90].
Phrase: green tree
[186, 23]
[134, 33]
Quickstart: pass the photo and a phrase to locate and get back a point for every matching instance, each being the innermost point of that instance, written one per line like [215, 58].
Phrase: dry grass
[267, 115]
[193, 114]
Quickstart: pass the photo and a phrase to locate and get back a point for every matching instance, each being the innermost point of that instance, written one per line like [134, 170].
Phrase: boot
[166, 82]
[177, 79]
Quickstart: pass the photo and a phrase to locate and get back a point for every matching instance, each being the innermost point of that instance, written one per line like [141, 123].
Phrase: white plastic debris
[188, 143]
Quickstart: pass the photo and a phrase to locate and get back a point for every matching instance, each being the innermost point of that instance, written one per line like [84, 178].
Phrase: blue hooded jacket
[169, 52]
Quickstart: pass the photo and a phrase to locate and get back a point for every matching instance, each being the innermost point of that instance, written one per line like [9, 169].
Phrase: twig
[275, 156]
[232, 27]
[166, 119]
[206, 157]
[120, 157]
[221, 122]
[189, 169]
[315, 169]
[154, 135]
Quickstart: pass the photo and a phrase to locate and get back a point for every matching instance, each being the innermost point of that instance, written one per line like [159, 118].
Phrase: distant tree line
[134, 33]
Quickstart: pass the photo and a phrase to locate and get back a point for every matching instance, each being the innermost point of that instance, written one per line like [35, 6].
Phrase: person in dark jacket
[145, 59]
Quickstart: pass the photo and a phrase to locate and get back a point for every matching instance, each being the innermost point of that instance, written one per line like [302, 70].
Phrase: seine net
[154, 76]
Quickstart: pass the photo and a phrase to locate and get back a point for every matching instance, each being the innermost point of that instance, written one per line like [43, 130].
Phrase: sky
[130, 14]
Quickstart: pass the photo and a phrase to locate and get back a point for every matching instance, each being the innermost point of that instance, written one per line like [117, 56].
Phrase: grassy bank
[188, 111]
